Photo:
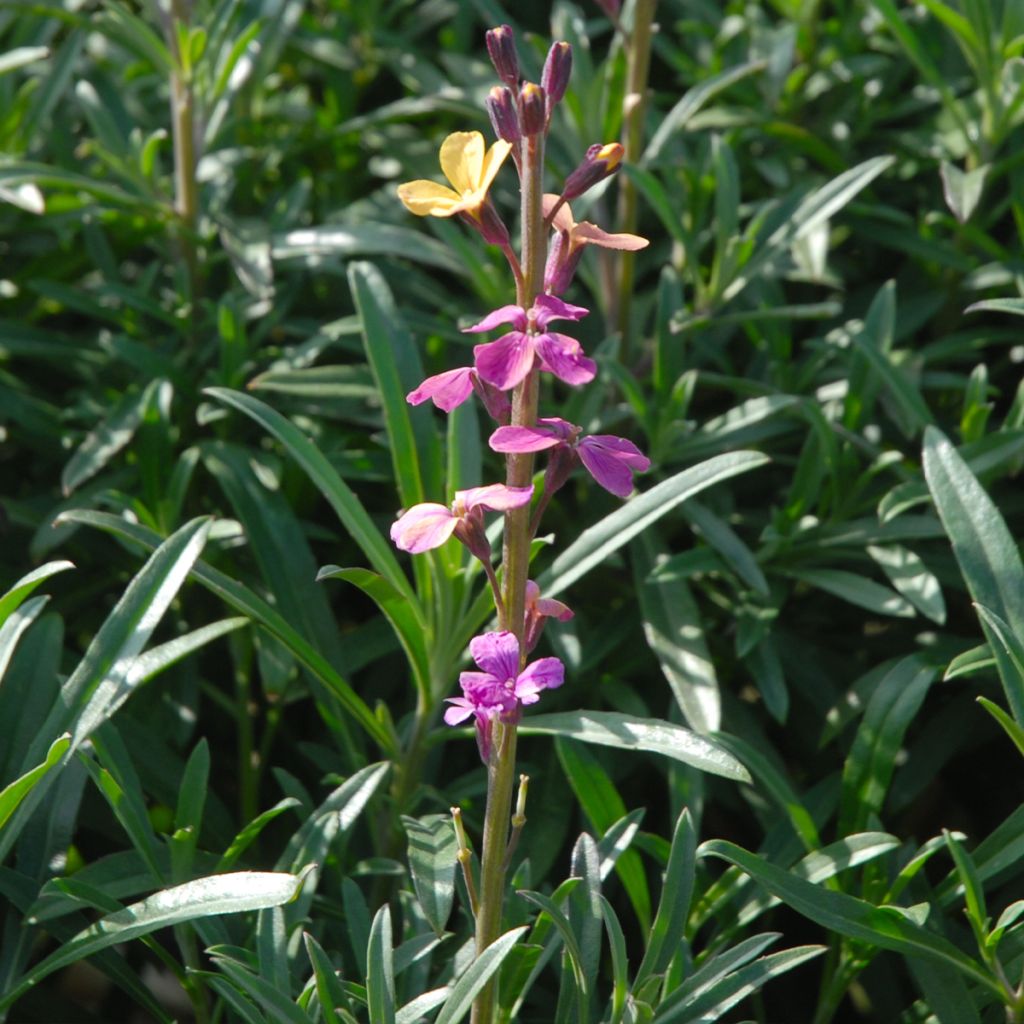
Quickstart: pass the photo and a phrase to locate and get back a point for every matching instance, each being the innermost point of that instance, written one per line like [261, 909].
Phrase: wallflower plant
[512, 365]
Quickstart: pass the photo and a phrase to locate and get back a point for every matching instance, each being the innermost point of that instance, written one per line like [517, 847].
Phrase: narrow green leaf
[962, 189]
[432, 848]
[674, 905]
[341, 498]
[984, 547]
[692, 101]
[627, 732]
[717, 999]
[380, 971]
[21, 56]
[397, 611]
[204, 897]
[882, 927]
[13, 794]
[245, 601]
[977, 659]
[412, 436]
[674, 633]
[872, 760]
[1014, 306]
[473, 979]
[1010, 727]
[909, 575]
[260, 989]
[24, 587]
[595, 544]
[103, 443]
[857, 590]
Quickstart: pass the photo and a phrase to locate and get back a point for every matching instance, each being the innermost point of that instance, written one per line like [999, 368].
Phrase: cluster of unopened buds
[521, 115]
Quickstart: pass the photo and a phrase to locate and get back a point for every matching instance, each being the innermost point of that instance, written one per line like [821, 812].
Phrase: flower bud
[501, 45]
[532, 109]
[598, 164]
[501, 108]
[555, 78]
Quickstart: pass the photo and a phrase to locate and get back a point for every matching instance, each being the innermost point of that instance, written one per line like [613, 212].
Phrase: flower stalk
[639, 64]
[505, 376]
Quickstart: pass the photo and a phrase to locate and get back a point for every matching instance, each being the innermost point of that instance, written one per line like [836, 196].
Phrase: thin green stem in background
[639, 63]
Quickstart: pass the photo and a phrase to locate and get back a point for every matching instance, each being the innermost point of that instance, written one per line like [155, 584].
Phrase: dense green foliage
[807, 630]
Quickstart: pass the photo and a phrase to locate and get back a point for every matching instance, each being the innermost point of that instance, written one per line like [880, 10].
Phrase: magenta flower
[446, 390]
[429, 525]
[538, 611]
[611, 460]
[505, 362]
[451, 388]
[499, 689]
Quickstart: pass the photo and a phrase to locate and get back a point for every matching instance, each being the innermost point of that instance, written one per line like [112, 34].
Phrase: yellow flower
[470, 171]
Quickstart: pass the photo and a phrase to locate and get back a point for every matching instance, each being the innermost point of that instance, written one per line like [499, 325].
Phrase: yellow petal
[462, 160]
[428, 198]
[492, 162]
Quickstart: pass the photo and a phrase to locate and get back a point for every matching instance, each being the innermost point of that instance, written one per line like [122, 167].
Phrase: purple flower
[538, 611]
[429, 525]
[505, 362]
[451, 388]
[500, 688]
[610, 460]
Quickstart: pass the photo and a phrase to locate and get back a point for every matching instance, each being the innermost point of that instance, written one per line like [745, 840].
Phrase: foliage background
[827, 187]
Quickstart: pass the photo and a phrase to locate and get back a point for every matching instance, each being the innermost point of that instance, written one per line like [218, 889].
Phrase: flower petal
[523, 439]
[497, 654]
[549, 308]
[429, 199]
[563, 356]
[554, 609]
[611, 462]
[492, 164]
[423, 527]
[543, 674]
[460, 710]
[563, 219]
[496, 497]
[586, 233]
[462, 160]
[505, 362]
[504, 315]
[446, 390]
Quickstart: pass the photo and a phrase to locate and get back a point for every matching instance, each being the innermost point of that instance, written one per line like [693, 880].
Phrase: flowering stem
[639, 51]
[499, 604]
[516, 561]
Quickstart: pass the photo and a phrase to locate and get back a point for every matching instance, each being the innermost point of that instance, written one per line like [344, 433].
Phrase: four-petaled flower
[506, 362]
[570, 240]
[538, 611]
[610, 460]
[469, 169]
[451, 388]
[429, 525]
[500, 688]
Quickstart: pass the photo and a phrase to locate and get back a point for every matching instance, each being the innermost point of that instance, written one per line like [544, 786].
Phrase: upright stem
[183, 132]
[639, 63]
[501, 767]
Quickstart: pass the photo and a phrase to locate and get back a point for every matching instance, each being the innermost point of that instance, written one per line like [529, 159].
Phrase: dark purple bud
[598, 164]
[501, 45]
[533, 113]
[561, 266]
[501, 108]
[561, 464]
[470, 530]
[555, 78]
[497, 403]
